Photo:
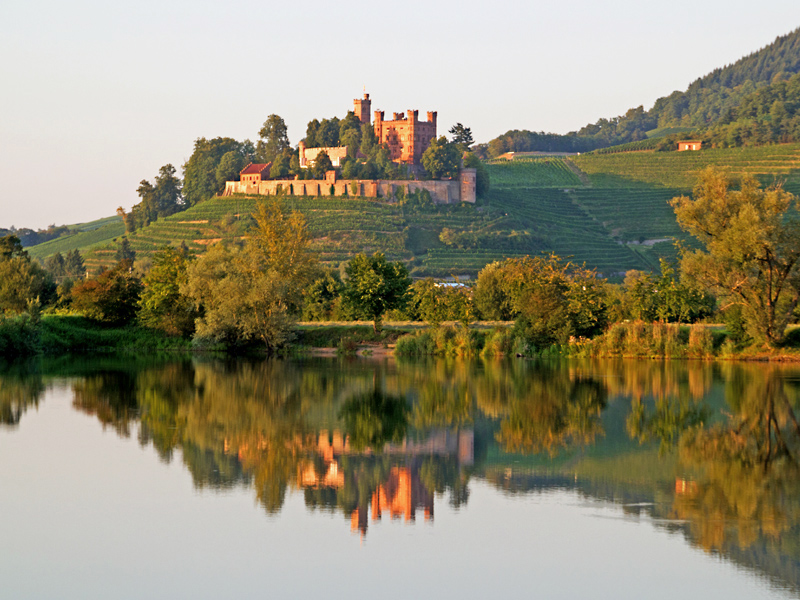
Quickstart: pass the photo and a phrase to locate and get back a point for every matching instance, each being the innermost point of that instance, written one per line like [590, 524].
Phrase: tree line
[743, 270]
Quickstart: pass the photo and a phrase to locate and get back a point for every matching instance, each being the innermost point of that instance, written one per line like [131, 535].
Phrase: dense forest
[752, 101]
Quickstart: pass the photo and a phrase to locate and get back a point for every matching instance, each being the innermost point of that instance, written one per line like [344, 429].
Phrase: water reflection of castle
[401, 492]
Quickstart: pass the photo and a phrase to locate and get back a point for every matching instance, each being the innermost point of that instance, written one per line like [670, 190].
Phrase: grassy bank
[56, 335]
[64, 334]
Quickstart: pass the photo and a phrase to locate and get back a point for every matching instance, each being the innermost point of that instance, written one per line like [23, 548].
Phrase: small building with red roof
[255, 173]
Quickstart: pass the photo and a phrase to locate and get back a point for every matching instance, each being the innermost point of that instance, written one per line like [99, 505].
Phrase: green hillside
[610, 211]
[88, 235]
[678, 170]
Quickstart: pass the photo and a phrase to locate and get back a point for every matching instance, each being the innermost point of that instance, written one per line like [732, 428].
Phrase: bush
[500, 342]
[701, 343]
[18, 337]
[441, 341]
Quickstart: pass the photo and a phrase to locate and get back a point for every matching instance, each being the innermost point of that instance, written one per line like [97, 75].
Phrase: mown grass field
[609, 211]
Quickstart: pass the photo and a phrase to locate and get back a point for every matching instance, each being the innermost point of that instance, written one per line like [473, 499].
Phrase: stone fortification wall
[442, 192]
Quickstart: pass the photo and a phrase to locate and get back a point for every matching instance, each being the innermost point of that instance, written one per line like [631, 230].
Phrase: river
[376, 477]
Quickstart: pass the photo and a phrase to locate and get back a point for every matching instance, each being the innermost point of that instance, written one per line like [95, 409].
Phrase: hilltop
[743, 93]
[610, 211]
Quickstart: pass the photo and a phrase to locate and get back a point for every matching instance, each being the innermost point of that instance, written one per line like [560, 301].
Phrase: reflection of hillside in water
[372, 440]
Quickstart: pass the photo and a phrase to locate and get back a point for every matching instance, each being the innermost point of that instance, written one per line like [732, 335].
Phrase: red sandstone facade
[406, 136]
[361, 109]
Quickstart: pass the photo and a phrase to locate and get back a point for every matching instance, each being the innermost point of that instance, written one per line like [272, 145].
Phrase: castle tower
[361, 108]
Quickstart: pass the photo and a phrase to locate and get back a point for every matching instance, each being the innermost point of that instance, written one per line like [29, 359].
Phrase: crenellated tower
[361, 108]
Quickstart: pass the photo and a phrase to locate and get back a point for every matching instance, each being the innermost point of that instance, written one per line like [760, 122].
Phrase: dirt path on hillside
[581, 175]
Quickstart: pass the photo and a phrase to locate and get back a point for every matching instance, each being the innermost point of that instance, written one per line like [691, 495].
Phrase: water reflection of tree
[374, 419]
[747, 484]
[110, 396]
[20, 388]
[543, 407]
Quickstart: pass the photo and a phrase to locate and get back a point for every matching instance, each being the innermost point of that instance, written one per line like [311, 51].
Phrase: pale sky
[96, 96]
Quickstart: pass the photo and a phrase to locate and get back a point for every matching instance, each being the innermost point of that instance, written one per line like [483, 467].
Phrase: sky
[96, 96]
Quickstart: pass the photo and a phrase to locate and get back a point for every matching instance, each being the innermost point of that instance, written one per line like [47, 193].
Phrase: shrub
[700, 341]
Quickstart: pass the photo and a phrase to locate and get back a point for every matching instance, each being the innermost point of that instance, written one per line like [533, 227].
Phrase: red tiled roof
[255, 168]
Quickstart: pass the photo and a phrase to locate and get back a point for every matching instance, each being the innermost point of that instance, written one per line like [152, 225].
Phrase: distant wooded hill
[753, 101]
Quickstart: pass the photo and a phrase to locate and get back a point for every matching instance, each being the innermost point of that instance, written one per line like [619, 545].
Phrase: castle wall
[442, 192]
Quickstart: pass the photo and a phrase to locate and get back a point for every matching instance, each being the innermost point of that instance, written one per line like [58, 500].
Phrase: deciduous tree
[254, 293]
[273, 139]
[441, 158]
[21, 280]
[375, 285]
[111, 297]
[751, 240]
[162, 305]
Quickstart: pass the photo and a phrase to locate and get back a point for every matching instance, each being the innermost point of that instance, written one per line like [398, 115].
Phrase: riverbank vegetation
[244, 295]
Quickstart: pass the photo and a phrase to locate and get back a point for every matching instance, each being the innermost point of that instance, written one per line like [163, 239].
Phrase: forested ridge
[742, 94]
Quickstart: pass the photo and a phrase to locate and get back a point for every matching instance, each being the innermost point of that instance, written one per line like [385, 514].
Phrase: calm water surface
[124, 478]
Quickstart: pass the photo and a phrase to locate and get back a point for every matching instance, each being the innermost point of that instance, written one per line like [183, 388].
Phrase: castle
[405, 136]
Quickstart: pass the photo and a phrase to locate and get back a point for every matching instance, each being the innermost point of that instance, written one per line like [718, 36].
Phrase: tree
[167, 192]
[161, 304]
[441, 158]
[229, 167]
[751, 240]
[551, 300]
[375, 285]
[21, 280]
[200, 171]
[322, 297]
[437, 303]
[311, 133]
[124, 252]
[11, 247]
[73, 264]
[664, 298]
[327, 133]
[462, 136]
[350, 133]
[322, 164]
[281, 165]
[352, 140]
[253, 293]
[55, 265]
[273, 139]
[112, 297]
[369, 141]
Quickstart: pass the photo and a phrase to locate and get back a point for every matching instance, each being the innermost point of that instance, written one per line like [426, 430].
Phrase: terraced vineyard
[92, 234]
[679, 169]
[612, 214]
[545, 172]
[340, 228]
